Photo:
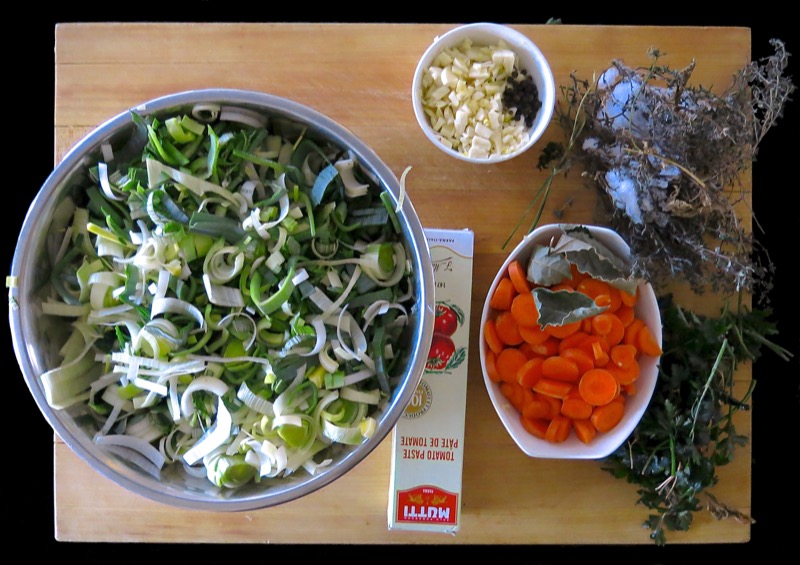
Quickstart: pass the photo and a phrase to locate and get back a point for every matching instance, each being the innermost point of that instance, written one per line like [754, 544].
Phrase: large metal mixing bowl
[37, 338]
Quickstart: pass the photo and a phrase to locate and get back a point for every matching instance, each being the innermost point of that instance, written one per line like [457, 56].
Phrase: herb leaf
[687, 430]
[560, 307]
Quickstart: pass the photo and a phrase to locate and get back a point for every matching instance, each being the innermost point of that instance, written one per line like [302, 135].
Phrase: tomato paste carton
[428, 440]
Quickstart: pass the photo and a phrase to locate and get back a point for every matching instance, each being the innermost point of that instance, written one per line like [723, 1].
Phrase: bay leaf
[547, 268]
[559, 307]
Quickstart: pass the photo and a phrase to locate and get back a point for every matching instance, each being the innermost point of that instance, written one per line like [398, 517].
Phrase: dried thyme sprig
[667, 159]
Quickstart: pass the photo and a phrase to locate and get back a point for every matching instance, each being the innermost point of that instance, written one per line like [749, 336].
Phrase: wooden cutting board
[360, 75]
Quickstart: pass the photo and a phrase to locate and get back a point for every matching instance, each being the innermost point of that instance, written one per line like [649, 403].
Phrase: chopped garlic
[462, 95]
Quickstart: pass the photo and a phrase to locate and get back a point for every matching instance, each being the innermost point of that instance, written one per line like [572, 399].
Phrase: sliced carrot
[519, 277]
[562, 286]
[491, 367]
[533, 334]
[523, 307]
[560, 368]
[647, 342]
[503, 294]
[575, 407]
[564, 330]
[632, 332]
[492, 338]
[598, 347]
[629, 299]
[507, 328]
[555, 404]
[630, 389]
[530, 372]
[592, 287]
[615, 299]
[512, 392]
[527, 398]
[547, 348]
[603, 300]
[537, 427]
[598, 387]
[538, 408]
[624, 375]
[554, 388]
[573, 376]
[601, 324]
[584, 430]
[576, 276]
[581, 358]
[626, 314]
[606, 417]
[508, 362]
[623, 355]
[558, 430]
[608, 326]
[611, 301]
[527, 350]
[573, 340]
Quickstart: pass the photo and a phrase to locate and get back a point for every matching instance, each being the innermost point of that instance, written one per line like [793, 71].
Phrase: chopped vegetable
[237, 298]
[462, 95]
[561, 340]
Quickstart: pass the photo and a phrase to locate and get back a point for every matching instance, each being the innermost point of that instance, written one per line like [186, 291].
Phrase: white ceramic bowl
[529, 57]
[604, 443]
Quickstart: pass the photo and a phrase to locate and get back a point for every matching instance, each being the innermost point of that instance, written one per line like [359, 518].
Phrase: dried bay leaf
[559, 307]
[546, 268]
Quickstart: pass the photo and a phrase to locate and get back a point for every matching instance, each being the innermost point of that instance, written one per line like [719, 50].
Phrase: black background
[28, 69]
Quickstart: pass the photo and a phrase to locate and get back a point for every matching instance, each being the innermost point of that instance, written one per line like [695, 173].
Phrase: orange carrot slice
[558, 429]
[598, 387]
[533, 334]
[575, 407]
[519, 277]
[523, 307]
[560, 368]
[647, 342]
[606, 417]
[492, 338]
[554, 388]
[537, 409]
[537, 427]
[503, 294]
[507, 328]
[490, 358]
[584, 430]
[508, 362]
[530, 372]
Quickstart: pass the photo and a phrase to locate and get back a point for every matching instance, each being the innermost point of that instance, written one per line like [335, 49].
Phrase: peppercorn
[522, 96]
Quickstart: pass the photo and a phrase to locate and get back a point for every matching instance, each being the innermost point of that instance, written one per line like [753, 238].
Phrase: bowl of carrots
[570, 342]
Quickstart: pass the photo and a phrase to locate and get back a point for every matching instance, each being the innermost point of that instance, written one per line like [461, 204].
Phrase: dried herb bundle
[667, 159]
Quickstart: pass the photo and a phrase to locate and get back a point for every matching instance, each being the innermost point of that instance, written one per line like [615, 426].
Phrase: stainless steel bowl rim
[36, 221]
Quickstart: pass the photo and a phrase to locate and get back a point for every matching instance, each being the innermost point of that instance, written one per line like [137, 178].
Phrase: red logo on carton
[427, 505]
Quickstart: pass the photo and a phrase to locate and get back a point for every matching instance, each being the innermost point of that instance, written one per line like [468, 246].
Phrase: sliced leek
[237, 295]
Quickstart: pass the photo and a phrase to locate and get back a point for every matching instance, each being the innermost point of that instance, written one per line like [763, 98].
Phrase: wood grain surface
[360, 75]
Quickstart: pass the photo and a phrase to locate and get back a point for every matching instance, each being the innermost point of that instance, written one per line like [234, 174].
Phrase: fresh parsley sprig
[688, 430]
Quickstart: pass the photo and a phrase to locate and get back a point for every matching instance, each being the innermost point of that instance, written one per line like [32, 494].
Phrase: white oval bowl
[635, 406]
[530, 58]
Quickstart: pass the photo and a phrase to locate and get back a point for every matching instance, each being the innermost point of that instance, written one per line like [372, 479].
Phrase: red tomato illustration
[446, 322]
[442, 349]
